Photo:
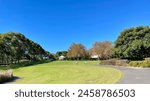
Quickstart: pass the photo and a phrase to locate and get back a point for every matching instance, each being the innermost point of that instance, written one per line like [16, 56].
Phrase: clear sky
[56, 24]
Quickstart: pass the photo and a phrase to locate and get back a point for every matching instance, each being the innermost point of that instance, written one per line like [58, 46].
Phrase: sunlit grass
[67, 72]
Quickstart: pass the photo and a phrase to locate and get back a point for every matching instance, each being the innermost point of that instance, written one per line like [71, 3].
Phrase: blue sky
[56, 24]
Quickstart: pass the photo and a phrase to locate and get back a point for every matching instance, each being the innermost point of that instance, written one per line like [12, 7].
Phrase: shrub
[6, 76]
[144, 63]
[25, 63]
[122, 62]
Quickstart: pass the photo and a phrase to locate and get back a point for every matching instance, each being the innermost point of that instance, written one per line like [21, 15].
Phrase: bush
[116, 62]
[25, 64]
[6, 76]
[144, 63]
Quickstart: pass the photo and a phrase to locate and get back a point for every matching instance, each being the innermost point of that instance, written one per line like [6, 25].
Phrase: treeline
[132, 44]
[15, 47]
[77, 51]
[99, 50]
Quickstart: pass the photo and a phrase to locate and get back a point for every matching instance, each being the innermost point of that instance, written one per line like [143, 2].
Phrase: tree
[102, 49]
[51, 56]
[15, 46]
[59, 53]
[76, 51]
[133, 43]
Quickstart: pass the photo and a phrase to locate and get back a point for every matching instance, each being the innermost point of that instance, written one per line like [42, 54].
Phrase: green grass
[67, 72]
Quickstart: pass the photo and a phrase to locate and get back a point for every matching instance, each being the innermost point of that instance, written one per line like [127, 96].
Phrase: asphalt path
[134, 75]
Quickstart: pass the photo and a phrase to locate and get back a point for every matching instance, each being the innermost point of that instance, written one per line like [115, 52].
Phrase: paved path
[134, 75]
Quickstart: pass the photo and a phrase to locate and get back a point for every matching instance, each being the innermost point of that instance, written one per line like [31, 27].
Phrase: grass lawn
[67, 72]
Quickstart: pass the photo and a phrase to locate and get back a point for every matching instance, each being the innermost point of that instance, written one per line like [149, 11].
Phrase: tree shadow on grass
[23, 64]
[26, 64]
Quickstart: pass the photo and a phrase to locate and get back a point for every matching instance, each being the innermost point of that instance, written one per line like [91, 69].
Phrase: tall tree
[102, 49]
[133, 43]
[15, 46]
[76, 51]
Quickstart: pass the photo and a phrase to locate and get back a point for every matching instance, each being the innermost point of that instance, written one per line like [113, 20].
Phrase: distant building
[94, 57]
[61, 57]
